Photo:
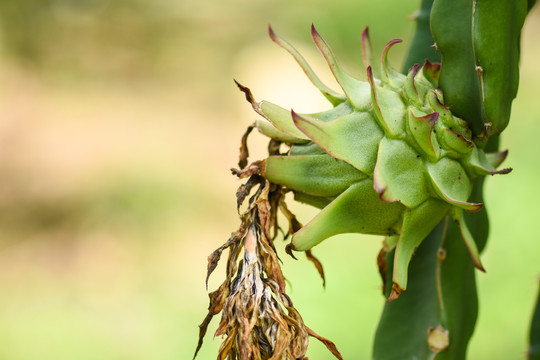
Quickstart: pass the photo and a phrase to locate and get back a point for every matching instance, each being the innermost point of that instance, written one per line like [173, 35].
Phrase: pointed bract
[496, 159]
[358, 209]
[344, 139]
[410, 87]
[387, 107]
[332, 96]
[480, 162]
[455, 141]
[451, 183]
[431, 72]
[280, 118]
[265, 127]
[389, 75]
[469, 240]
[399, 174]
[318, 175]
[354, 89]
[367, 50]
[421, 128]
[417, 224]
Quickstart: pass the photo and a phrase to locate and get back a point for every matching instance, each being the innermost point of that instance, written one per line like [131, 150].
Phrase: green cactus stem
[442, 288]
[533, 353]
[480, 43]
[459, 72]
[422, 42]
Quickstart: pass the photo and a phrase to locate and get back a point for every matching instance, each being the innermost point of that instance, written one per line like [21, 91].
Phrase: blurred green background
[119, 124]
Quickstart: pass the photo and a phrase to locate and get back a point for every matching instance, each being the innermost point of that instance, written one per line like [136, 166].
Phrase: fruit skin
[388, 159]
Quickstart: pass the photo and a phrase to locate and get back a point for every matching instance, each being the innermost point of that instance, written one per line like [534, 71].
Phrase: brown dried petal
[214, 257]
[289, 251]
[244, 151]
[217, 299]
[318, 266]
[383, 268]
[244, 190]
[294, 224]
[252, 169]
[329, 344]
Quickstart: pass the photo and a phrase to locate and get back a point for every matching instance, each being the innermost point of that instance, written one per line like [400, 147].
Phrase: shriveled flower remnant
[259, 320]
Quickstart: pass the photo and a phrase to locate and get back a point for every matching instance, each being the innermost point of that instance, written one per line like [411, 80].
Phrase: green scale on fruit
[388, 159]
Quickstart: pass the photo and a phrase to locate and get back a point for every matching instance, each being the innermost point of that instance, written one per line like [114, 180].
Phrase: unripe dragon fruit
[388, 159]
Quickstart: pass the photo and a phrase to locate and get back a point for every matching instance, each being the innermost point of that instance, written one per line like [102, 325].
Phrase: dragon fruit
[388, 159]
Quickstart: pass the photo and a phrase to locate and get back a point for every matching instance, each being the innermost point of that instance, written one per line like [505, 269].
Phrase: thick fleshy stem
[533, 353]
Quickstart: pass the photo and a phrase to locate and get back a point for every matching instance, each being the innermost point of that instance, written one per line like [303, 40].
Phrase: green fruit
[389, 158]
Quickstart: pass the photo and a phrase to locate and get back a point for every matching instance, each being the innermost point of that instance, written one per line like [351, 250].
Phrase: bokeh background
[119, 122]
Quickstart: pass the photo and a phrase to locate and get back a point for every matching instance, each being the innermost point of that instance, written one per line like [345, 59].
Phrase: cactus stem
[441, 256]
